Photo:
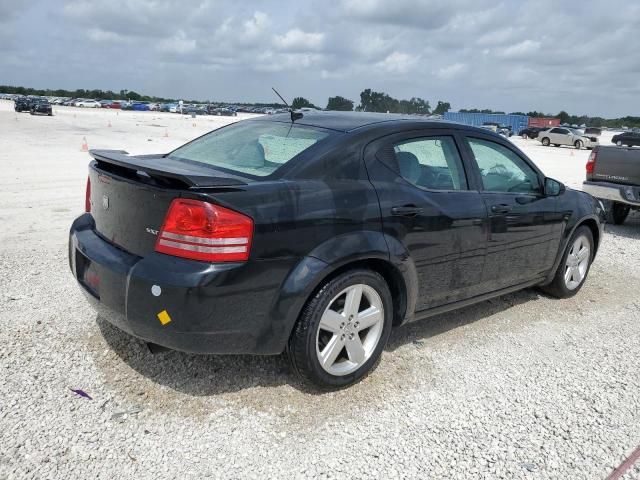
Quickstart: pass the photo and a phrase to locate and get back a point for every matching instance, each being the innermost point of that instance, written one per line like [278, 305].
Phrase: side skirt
[421, 315]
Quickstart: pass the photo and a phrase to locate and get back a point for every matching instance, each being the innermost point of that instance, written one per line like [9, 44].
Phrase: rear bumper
[213, 308]
[614, 192]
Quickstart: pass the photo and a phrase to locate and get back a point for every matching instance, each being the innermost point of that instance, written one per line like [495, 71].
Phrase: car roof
[349, 121]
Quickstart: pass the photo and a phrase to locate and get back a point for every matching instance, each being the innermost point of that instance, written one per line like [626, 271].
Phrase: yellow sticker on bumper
[164, 317]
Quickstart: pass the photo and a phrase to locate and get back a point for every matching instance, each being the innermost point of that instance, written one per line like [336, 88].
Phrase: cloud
[398, 62]
[467, 52]
[521, 50]
[297, 40]
[451, 71]
[178, 43]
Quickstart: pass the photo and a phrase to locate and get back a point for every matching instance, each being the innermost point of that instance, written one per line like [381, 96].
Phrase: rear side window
[503, 170]
[432, 163]
[253, 148]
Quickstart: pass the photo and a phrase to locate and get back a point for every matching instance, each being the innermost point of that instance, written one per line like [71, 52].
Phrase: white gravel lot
[523, 386]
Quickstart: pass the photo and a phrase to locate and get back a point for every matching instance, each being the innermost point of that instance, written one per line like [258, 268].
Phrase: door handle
[406, 211]
[502, 208]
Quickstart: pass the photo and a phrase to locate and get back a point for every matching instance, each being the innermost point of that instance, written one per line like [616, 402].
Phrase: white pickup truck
[613, 176]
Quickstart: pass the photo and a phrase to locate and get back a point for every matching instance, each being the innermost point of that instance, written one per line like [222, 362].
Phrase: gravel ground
[523, 386]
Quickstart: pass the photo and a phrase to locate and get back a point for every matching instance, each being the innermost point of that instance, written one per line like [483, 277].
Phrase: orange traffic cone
[85, 146]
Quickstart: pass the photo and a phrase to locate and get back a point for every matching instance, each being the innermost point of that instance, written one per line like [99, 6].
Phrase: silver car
[557, 136]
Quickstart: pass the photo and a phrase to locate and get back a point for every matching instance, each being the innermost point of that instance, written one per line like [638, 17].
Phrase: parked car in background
[629, 138]
[221, 111]
[41, 106]
[593, 131]
[115, 104]
[613, 176]
[88, 103]
[22, 104]
[317, 238]
[557, 136]
[70, 102]
[140, 106]
[504, 130]
[530, 132]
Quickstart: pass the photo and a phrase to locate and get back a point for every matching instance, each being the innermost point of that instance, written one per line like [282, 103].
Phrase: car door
[428, 206]
[524, 226]
[557, 136]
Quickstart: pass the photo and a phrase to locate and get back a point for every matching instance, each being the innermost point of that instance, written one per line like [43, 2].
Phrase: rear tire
[524, 136]
[574, 266]
[335, 343]
[546, 142]
[617, 213]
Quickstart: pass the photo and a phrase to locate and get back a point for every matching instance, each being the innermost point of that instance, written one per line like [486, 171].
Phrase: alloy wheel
[577, 263]
[350, 329]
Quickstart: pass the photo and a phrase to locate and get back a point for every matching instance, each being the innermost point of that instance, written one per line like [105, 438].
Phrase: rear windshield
[253, 148]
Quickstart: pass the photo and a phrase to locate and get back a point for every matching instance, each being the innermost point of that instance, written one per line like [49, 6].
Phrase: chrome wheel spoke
[367, 318]
[352, 302]
[583, 254]
[355, 350]
[331, 321]
[567, 275]
[330, 353]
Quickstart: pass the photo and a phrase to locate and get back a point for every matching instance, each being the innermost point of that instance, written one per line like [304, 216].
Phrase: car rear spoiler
[158, 166]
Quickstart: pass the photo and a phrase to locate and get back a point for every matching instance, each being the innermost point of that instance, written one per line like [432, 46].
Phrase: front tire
[546, 142]
[578, 144]
[342, 330]
[617, 213]
[524, 136]
[574, 266]
[619, 143]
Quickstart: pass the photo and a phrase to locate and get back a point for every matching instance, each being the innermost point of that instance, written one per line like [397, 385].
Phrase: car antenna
[294, 115]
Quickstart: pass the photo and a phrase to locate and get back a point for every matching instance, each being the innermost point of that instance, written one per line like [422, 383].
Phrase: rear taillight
[87, 196]
[203, 231]
[591, 163]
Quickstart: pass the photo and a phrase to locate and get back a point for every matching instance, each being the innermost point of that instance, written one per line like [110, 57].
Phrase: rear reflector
[591, 163]
[87, 196]
[204, 231]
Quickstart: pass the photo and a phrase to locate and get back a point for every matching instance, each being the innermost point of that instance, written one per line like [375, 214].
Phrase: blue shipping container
[516, 122]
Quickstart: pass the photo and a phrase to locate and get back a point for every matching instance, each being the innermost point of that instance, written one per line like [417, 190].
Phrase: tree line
[370, 101]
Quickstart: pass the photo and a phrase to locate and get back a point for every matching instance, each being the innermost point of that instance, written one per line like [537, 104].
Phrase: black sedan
[319, 236]
[530, 132]
[42, 107]
[629, 139]
[22, 104]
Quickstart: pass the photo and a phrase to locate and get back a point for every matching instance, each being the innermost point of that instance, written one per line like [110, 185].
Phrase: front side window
[253, 148]
[502, 170]
[433, 163]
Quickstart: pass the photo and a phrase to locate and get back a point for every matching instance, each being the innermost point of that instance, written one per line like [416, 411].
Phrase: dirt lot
[523, 386]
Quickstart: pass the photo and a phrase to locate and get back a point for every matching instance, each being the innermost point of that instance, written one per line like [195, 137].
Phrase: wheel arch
[590, 222]
[389, 272]
[364, 249]
[595, 231]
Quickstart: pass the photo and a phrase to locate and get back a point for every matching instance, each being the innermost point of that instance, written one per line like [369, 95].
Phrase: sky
[579, 56]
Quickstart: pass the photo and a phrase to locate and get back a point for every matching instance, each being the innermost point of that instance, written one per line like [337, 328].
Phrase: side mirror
[553, 188]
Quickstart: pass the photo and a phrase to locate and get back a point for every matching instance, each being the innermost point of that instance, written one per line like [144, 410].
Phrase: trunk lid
[130, 195]
[617, 165]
